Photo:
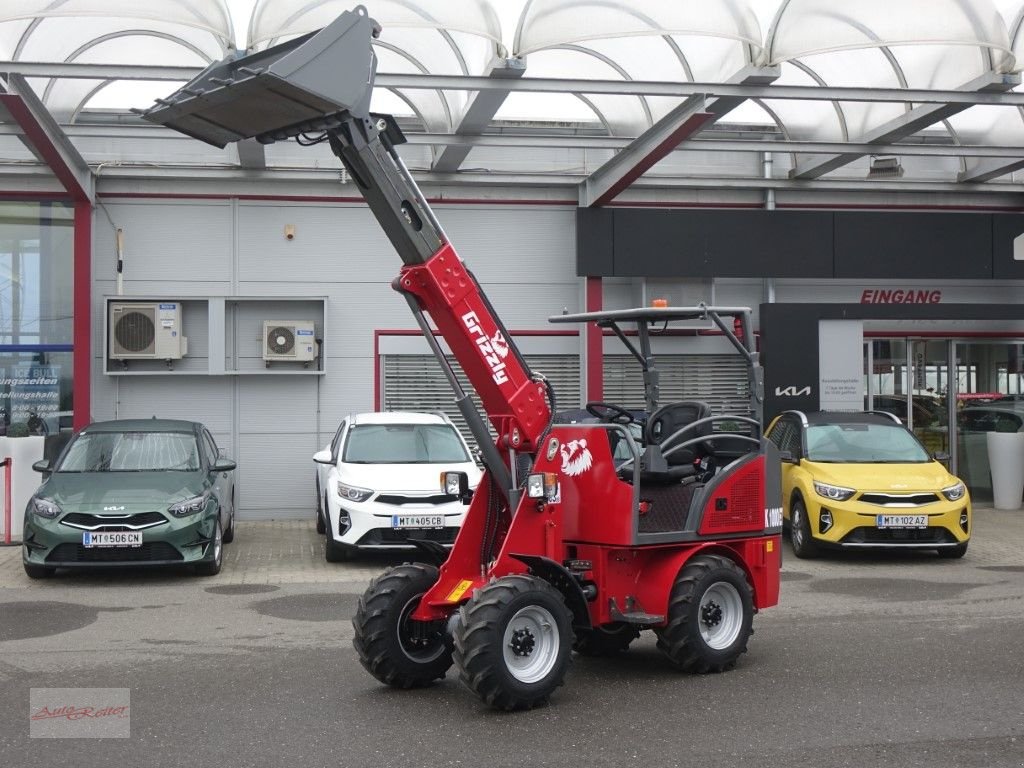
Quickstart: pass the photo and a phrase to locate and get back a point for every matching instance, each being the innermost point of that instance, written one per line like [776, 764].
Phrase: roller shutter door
[718, 380]
[416, 383]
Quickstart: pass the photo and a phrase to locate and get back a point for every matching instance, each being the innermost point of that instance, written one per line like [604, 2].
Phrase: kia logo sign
[792, 391]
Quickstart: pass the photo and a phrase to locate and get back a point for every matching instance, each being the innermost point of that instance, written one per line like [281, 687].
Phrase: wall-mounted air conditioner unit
[289, 340]
[150, 330]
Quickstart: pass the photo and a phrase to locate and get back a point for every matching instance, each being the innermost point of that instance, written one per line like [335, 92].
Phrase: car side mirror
[323, 457]
[223, 465]
[43, 465]
[941, 456]
[787, 457]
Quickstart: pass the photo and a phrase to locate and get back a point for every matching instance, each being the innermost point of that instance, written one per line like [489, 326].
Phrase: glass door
[989, 399]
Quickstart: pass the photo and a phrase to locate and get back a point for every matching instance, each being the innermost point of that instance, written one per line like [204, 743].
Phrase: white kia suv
[379, 483]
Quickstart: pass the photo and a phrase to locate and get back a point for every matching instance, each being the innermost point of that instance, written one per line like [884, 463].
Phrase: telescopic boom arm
[318, 88]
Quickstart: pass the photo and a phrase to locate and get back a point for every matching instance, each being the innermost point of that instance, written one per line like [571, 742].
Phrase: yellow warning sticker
[460, 589]
[769, 546]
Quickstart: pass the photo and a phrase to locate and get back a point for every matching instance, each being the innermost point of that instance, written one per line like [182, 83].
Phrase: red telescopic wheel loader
[587, 528]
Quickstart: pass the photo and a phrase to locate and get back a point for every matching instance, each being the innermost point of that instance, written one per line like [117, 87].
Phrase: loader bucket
[292, 88]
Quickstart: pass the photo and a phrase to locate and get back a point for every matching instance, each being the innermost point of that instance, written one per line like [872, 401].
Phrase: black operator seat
[663, 429]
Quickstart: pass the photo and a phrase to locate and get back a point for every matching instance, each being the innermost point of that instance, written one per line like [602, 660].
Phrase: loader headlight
[833, 492]
[955, 492]
[542, 485]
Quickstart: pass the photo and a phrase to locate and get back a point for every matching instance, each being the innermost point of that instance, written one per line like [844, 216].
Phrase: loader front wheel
[513, 643]
[390, 646]
[710, 616]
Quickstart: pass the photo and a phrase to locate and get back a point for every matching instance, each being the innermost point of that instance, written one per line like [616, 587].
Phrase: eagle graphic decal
[576, 457]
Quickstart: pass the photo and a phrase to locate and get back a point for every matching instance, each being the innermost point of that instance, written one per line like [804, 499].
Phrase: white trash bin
[1006, 462]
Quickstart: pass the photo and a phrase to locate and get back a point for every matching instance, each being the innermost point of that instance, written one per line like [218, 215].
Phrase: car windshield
[131, 452]
[404, 444]
[863, 444]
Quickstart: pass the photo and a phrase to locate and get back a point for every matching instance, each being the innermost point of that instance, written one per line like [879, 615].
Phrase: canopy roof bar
[553, 85]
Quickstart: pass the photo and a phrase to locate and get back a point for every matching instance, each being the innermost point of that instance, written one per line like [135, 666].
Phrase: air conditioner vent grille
[281, 340]
[135, 331]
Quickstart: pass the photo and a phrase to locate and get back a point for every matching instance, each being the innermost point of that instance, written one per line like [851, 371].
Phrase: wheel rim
[218, 544]
[530, 645]
[420, 651]
[797, 527]
[720, 615]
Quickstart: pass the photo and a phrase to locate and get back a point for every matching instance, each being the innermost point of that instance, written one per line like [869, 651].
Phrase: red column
[81, 357]
[593, 342]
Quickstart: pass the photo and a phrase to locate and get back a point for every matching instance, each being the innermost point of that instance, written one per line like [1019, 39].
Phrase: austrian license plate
[417, 521]
[109, 539]
[901, 521]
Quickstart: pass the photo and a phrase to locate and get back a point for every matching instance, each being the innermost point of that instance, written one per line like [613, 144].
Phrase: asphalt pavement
[900, 660]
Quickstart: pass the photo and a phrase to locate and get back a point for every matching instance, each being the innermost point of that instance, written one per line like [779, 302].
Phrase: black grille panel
[396, 499]
[669, 506]
[931, 535]
[76, 553]
[883, 499]
[402, 536]
[110, 523]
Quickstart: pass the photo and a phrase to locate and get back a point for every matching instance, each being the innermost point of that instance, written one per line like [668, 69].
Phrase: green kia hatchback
[132, 492]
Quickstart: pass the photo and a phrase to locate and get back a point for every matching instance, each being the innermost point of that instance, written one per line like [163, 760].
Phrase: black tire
[34, 571]
[336, 552]
[382, 639]
[229, 534]
[952, 553]
[710, 616]
[609, 640]
[321, 510]
[804, 545]
[212, 567]
[501, 628]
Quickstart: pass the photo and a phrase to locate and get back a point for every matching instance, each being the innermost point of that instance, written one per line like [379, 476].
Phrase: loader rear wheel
[606, 641]
[384, 637]
[710, 616]
[513, 643]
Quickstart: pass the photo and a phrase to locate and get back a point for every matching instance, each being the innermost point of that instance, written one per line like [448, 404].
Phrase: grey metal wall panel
[168, 240]
[333, 243]
[276, 476]
[196, 398]
[277, 404]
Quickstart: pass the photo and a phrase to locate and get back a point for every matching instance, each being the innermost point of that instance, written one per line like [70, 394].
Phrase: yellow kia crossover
[864, 480]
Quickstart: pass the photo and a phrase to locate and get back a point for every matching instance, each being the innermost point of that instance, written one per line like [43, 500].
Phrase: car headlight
[955, 492]
[353, 493]
[189, 506]
[833, 492]
[43, 508]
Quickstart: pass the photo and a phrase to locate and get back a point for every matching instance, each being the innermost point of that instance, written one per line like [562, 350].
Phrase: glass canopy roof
[972, 46]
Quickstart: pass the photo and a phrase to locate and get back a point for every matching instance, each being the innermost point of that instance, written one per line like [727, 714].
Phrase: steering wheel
[609, 413]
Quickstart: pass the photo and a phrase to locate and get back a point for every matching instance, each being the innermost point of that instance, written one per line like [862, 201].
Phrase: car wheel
[384, 640]
[513, 643]
[229, 534]
[336, 552]
[804, 545]
[710, 616]
[609, 640]
[212, 567]
[321, 512]
[34, 571]
[952, 553]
